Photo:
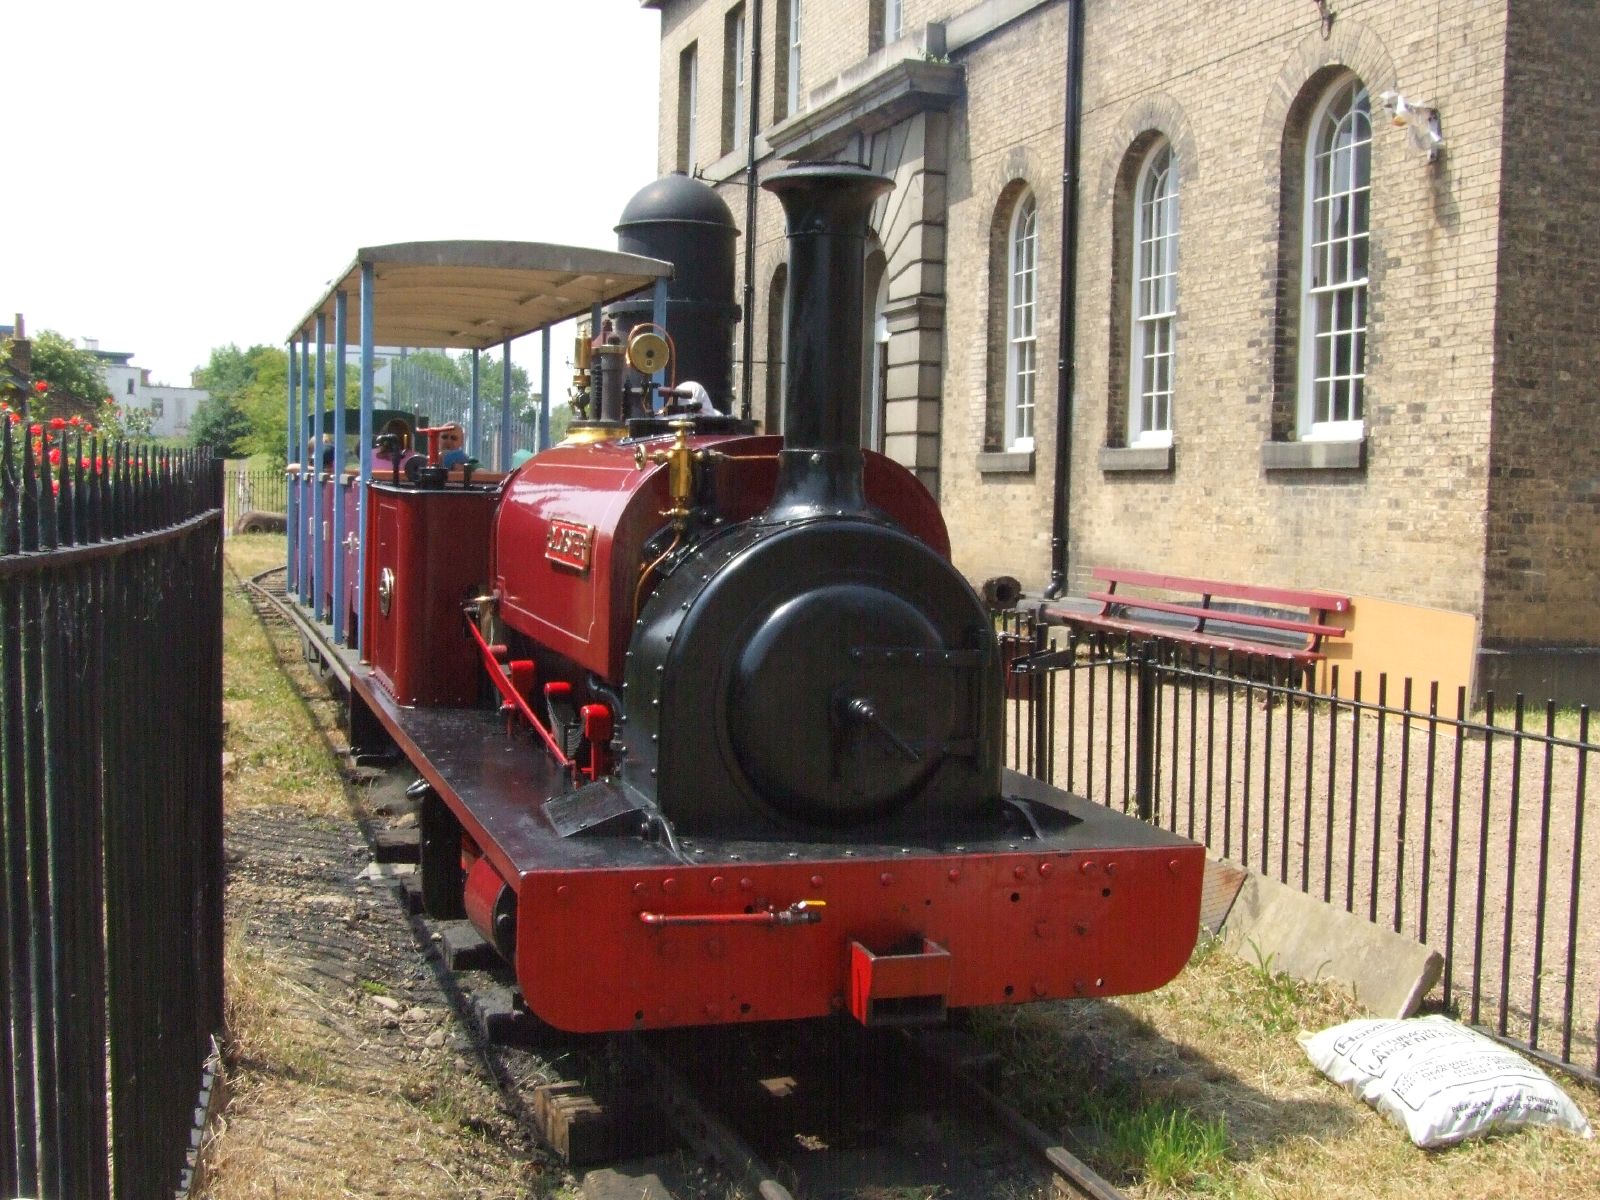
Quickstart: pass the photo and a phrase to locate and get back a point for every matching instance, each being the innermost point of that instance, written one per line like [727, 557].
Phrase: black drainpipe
[747, 380]
[1065, 366]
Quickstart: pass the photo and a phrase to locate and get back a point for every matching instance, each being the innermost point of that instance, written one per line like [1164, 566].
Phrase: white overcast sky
[186, 174]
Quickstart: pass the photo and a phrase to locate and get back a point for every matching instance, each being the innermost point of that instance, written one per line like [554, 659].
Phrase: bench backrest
[1325, 602]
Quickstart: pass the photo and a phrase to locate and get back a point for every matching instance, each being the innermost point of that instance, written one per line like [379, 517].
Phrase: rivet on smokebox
[669, 885]
[746, 884]
[816, 881]
[1046, 868]
[639, 888]
[886, 879]
[1172, 865]
[1089, 866]
[1018, 871]
[563, 892]
[718, 883]
[955, 874]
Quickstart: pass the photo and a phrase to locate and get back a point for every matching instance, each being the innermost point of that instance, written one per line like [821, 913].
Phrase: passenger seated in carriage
[392, 449]
[452, 445]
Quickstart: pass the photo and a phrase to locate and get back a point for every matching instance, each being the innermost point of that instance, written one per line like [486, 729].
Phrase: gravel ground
[361, 1081]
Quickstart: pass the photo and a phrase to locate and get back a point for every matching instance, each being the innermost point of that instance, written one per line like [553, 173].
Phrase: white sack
[1439, 1080]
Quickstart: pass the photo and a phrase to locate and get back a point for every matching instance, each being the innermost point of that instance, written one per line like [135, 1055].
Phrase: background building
[1311, 347]
[129, 386]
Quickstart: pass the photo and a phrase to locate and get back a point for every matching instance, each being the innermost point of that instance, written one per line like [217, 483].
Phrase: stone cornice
[874, 96]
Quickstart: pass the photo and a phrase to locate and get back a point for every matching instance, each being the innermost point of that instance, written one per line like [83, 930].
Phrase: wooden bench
[1254, 621]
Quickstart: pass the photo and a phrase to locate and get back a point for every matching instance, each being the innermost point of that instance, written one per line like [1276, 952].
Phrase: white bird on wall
[1420, 122]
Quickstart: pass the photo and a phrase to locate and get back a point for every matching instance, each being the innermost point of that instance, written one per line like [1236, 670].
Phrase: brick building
[1310, 348]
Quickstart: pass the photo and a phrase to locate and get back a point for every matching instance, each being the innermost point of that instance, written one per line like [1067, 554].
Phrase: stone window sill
[1314, 456]
[1006, 462]
[1137, 458]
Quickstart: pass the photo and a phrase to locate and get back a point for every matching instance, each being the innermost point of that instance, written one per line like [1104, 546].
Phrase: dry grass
[1219, 1043]
[281, 724]
[331, 1094]
[315, 1113]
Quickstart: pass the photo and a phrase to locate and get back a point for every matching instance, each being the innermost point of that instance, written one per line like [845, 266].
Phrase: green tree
[228, 370]
[75, 378]
[223, 425]
[255, 384]
[560, 418]
[263, 400]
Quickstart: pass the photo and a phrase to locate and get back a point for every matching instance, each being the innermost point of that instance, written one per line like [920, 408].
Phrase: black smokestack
[826, 206]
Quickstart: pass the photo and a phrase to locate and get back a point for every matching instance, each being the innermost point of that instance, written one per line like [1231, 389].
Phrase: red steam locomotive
[709, 727]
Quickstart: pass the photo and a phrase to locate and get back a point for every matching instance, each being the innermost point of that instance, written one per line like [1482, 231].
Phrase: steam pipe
[1065, 366]
[826, 206]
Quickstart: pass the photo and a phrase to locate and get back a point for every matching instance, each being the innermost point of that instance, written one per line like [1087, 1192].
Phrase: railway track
[814, 1111]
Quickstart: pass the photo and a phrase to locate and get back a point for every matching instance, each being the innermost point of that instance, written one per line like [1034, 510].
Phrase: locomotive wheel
[442, 876]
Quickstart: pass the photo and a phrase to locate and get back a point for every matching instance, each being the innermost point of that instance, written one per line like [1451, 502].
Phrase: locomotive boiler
[743, 760]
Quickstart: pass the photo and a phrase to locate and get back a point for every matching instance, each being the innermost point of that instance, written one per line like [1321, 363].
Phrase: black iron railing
[110, 812]
[1464, 830]
[253, 491]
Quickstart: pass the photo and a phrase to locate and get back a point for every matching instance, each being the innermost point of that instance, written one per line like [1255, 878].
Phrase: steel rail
[697, 1126]
[967, 1089]
[330, 658]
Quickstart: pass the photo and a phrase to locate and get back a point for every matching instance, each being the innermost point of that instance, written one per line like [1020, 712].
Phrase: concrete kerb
[1298, 934]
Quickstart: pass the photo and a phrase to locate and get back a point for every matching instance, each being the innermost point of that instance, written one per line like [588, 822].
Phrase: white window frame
[1154, 309]
[689, 92]
[740, 120]
[1022, 349]
[792, 78]
[893, 19]
[1336, 238]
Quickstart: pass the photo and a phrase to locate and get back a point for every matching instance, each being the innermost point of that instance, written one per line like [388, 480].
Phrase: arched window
[734, 91]
[1021, 348]
[1333, 310]
[1155, 298]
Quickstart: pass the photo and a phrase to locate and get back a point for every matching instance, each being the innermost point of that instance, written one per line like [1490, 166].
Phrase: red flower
[57, 423]
[15, 419]
[99, 464]
[76, 420]
[84, 463]
[55, 457]
[40, 386]
[55, 487]
[36, 430]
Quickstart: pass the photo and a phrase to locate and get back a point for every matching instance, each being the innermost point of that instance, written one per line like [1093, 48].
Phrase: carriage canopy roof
[473, 295]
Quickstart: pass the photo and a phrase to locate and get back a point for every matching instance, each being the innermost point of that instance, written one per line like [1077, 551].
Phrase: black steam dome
[684, 222]
[676, 198]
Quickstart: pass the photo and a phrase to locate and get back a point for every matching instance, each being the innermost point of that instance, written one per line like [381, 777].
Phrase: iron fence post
[1038, 690]
[1144, 741]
